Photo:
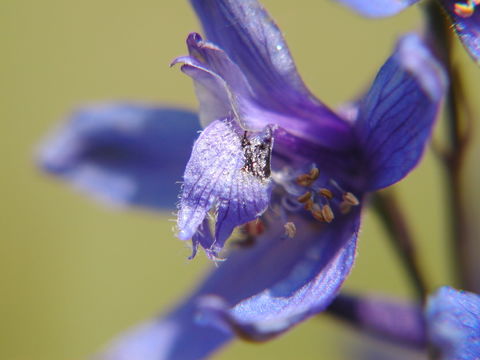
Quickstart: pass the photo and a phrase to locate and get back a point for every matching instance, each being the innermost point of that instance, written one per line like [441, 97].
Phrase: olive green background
[73, 273]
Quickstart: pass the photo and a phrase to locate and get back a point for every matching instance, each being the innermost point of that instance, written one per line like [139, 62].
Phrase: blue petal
[223, 90]
[467, 24]
[396, 116]
[229, 172]
[303, 273]
[177, 336]
[123, 153]
[378, 8]
[398, 321]
[250, 38]
[453, 319]
[287, 282]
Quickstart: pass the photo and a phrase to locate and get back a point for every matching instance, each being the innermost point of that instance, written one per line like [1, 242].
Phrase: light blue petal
[177, 336]
[228, 172]
[453, 319]
[378, 8]
[123, 153]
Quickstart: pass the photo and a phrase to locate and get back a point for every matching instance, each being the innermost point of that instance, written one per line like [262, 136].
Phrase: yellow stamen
[327, 213]
[290, 229]
[305, 197]
[309, 205]
[351, 199]
[314, 174]
[304, 180]
[326, 193]
[345, 207]
[317, 215]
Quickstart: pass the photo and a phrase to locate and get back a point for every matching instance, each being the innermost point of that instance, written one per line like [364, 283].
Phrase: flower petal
[391, 319]
[453, 319]
[229, 170]
[396, 116]
[378, 8]
[123, 153]
[177, 336]
[223, 91]
[304, 273]
[465, 16]
[250, 38]
[295, 279]
[245, 31]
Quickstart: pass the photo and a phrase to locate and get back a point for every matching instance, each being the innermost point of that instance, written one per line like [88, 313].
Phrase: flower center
[321, 196]
[466, 9]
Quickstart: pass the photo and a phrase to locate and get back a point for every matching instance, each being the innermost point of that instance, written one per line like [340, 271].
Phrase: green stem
[439, 28]
[395, 223]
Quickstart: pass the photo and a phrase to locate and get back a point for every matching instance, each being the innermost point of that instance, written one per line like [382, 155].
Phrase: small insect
[258, 151]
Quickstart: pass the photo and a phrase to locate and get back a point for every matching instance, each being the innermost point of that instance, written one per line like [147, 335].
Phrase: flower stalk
[394, 221]
[458, 130]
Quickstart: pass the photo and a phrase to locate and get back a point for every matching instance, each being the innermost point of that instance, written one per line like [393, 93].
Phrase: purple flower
[272, 159]
[400, 322]
[453, 319]
[464, 14]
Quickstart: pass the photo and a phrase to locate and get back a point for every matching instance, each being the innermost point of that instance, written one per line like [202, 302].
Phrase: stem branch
[395, 223]
[442, 35]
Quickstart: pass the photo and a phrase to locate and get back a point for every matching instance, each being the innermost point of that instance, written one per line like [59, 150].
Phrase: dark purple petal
[124, 153]
[286, 282]
[396, 116]
[453, 319]
[378, 8]
[228, 172]
[250, 38]
[465, 16]
[391, 319]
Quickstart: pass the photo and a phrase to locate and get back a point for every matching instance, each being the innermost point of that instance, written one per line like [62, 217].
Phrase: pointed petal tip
[184, 234]
[415, 57]
[377, 8]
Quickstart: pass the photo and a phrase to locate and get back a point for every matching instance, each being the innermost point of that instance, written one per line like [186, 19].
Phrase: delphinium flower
[448, 325]
[453, 320]
[274, 161]
[464, 14]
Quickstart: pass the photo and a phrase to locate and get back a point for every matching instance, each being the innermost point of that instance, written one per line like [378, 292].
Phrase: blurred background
[73, 273]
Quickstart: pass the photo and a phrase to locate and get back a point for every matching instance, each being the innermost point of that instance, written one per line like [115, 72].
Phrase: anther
[290, 229]
[350, 199]
[314, 173]
[326, 193]
[254, 228]
[309, 205]
[345, 207]
[304, 180]
[308, 179]
[305, 197]
[318, 215]
[327, 213]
